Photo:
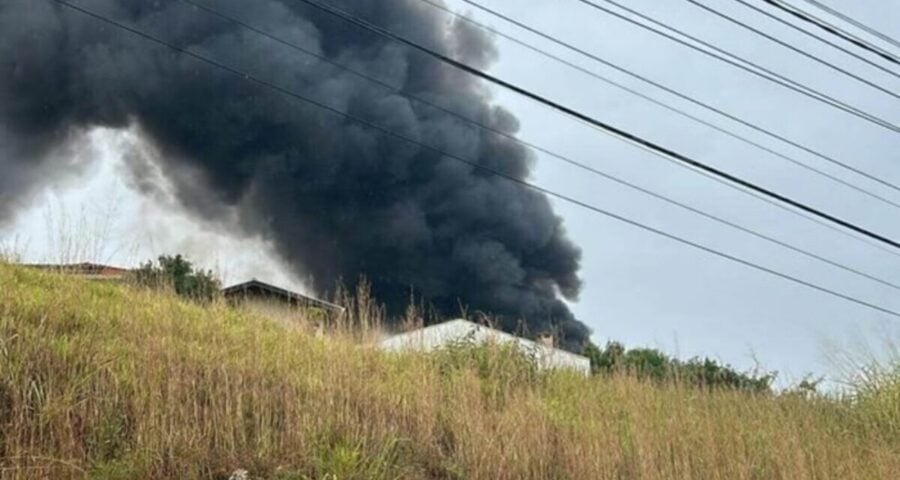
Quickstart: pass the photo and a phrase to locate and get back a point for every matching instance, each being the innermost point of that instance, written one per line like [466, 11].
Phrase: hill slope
[101, 381]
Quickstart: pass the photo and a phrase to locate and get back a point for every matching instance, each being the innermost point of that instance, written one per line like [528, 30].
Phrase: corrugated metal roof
[257, 287]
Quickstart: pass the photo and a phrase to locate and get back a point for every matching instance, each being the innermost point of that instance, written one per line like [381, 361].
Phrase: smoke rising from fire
[336, 199]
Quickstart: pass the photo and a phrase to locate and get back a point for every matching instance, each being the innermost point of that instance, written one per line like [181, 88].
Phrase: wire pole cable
[792, 48]
[599, 125]
[738, 62]
[685, 97]
[558, 156]
[854, 22]
[246, 76]
[819, 39]
[673, 92]
[834, 30]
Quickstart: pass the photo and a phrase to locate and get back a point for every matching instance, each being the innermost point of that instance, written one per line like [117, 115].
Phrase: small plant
[488, 359]
[877, 399]
[501, 367]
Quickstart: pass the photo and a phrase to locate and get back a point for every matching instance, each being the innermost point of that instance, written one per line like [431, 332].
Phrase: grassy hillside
[99, 381]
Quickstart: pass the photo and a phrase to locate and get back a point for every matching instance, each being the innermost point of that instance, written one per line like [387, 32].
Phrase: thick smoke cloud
[339, 200]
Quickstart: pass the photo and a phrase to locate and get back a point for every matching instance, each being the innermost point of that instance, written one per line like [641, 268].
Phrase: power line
[854, 22]
[738, 62]
[678, 94]
[472, 163]
[829, 226]
[847, 51]
[830, 28]
[568, 160]
[792, 48]
[601, 126]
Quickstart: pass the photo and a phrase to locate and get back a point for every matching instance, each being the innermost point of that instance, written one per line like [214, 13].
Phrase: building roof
[443, 334]
[256, 288]
[85, 269]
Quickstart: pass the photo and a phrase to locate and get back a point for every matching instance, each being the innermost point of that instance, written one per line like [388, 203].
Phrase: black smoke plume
[337, 199]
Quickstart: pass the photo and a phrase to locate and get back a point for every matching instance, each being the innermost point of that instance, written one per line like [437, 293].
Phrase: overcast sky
[639, 288]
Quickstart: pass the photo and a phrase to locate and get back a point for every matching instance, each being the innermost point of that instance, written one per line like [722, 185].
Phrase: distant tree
[654, 365]
[178, 273]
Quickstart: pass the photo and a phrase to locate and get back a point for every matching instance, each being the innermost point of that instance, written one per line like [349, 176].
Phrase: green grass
[106, 382]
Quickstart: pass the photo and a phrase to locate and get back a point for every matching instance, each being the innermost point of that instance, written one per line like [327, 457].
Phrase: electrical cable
[738, 62]
[792, 26]
[673, 92]
[832, 29]
[792, 48]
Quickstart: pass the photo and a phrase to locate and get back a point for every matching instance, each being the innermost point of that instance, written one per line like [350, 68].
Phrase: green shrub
[654, 365]
[179, 274]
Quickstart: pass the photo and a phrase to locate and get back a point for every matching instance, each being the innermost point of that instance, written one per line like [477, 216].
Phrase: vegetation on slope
[105, 382]
[652, 364]
[178, 273]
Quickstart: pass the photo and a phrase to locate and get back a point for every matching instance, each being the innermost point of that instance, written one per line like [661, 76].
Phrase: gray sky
[639, 288]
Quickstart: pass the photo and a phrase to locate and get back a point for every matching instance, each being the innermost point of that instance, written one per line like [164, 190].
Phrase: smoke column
[337, 199]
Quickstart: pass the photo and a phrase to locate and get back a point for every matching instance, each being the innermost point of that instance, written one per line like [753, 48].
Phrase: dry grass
[100, 381]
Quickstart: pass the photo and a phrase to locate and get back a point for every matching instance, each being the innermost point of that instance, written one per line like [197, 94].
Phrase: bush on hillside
[654, 365]
[178, 273]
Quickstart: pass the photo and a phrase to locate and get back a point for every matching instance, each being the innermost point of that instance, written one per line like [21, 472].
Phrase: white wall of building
[440, 335]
